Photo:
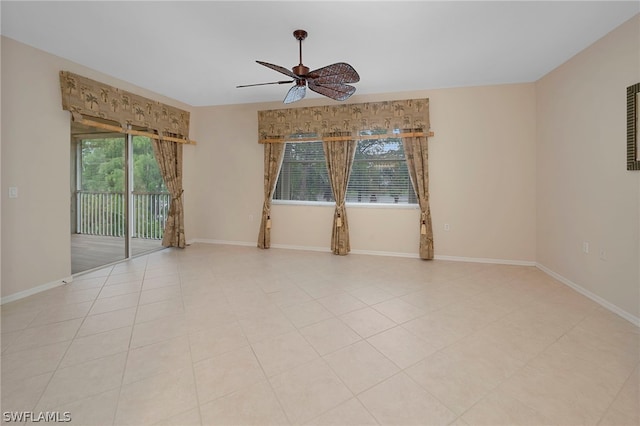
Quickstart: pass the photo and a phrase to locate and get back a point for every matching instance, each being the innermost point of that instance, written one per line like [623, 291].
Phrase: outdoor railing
[103, 213]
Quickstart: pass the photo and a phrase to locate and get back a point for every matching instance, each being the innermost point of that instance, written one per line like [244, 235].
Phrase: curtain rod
[346, 138]
[117, 129]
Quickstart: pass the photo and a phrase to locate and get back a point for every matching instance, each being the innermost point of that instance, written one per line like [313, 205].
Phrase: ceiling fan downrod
[300, 69]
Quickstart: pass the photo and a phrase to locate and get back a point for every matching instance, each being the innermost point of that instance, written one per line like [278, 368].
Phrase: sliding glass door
[118, 200]
[149, 198]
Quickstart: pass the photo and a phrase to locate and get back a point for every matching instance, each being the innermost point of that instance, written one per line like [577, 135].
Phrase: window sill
[350, 205]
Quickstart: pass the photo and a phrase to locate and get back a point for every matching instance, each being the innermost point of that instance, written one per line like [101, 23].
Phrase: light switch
[13, 192]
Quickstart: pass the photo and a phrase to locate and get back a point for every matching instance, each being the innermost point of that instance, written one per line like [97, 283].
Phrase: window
[379, 174]
[303, 175]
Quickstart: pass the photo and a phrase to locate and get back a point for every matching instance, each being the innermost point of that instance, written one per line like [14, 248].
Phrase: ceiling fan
[329, 81]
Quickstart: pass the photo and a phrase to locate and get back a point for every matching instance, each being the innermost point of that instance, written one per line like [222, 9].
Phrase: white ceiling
[197, 52]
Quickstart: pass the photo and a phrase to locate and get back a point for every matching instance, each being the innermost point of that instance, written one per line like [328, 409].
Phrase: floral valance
[392, 118]
[85, 97]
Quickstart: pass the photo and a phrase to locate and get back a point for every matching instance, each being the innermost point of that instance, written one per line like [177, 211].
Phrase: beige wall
[482, 169]
[584, 192]
[35, 158]
[522, 172]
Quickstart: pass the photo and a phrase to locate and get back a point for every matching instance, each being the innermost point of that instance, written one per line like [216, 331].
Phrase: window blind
[379, 174]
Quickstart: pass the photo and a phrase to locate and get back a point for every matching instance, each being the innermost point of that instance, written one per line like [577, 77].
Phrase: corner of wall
[587, 203]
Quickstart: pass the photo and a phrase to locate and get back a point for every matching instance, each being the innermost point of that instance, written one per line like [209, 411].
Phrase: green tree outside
[103, 166]
[102, 184]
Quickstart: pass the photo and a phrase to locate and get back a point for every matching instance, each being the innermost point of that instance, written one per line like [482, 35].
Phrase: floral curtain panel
[273, 155]
[85, 97]
[169, 157]
[416, 150]
[339, 156]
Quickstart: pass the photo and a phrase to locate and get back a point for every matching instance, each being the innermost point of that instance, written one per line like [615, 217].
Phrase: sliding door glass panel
[149, 198]
[99, 226]
[119, 201]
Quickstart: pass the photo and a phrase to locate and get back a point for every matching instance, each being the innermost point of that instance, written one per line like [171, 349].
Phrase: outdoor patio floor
[91, 251]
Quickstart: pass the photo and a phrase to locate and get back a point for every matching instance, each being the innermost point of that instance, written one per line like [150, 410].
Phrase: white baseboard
[370, 252]
[487, 260]
[606, 304]
[254, 244]
[302, 248]
[34, 290]
[386, 253]
[587, 293]
[223, 242]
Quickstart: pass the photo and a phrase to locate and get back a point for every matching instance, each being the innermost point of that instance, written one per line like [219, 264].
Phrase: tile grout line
[126, 360]
[533, 296]
[193, 371]
[526, 364]
[69, 346]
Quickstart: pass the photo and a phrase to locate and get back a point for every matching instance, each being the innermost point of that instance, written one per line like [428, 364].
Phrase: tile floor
[223, 335]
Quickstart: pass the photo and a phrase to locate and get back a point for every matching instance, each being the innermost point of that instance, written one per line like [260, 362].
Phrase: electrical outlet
[13, 192]
[447, 227]
[603, 254]
[585, 247]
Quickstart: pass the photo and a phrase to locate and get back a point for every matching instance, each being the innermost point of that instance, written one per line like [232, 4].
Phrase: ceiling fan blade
[339, 92]
[264, 84]
[338, 73]
[278, 68]
[296, 93]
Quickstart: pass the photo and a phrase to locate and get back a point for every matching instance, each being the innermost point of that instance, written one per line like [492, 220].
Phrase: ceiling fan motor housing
[300, 70]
